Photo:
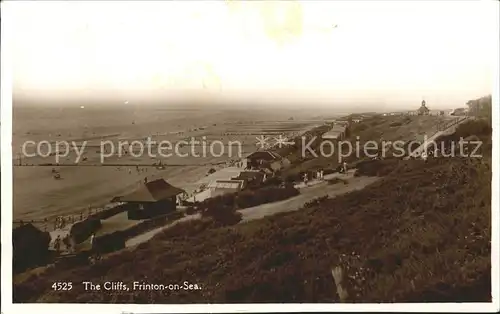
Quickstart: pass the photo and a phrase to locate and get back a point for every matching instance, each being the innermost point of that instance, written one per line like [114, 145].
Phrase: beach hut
[151, 199]
[30, 247]
[337, 132]
[221, 187]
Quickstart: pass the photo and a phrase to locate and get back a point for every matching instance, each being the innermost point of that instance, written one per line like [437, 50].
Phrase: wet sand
[38, 195]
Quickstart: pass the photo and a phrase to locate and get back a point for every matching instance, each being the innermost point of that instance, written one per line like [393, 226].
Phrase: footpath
[445, 130]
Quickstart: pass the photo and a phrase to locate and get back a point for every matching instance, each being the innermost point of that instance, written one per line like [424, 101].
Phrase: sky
[328, 52]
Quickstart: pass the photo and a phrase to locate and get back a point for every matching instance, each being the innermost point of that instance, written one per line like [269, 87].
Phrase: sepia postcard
[224, 156]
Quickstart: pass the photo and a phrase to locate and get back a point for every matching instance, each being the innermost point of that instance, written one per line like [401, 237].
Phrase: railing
[59, 222]
[440, 127]
[444, 126]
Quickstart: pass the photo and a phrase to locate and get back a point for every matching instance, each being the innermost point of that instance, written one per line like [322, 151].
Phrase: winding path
[314, 190]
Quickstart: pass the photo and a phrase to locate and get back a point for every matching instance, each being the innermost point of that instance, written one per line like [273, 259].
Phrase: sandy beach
[37, 195]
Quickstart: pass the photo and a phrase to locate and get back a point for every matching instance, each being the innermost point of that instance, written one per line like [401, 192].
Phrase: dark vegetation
[116, 240]
[337, 180]
[223, 208]
[421, 233]
[82, 230]
[471, 131]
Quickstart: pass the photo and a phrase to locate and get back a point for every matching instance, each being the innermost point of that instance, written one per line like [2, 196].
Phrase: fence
[445, 125]
[59, 222]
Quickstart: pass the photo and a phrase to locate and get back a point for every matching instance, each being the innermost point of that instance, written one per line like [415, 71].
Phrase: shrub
[315, 202]
[273, 181]
[264, 195]
[330, 171]
[191, 210]
[473, 127]
[224, 216]
[377, 167]
[223, 208]
[337, 180]
[82, 230]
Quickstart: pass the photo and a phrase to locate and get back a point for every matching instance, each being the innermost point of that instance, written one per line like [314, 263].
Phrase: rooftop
[249, 175]
[151, 192]
[226, 184]
[334, 132]
[221, 174]
[266, 155]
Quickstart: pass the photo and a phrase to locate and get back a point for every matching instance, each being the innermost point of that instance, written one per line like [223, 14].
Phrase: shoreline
[94, 184]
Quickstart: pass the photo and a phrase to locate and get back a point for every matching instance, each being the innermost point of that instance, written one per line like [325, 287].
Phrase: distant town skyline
[323, 52]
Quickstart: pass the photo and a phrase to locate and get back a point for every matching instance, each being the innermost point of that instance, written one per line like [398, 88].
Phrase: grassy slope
[422, 233]
[390, 128]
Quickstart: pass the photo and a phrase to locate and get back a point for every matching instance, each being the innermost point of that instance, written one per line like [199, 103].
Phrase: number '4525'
[62, 286]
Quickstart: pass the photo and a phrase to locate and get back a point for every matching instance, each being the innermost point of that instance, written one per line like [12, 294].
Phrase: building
[251, 178]
[423, 110]
[200, 196]
[218, 187]
[338, 132]
[459, 112]
[220, 174]
[30, 247]
[341, 122]
[221, 187]
[152, 199]
[262, 159]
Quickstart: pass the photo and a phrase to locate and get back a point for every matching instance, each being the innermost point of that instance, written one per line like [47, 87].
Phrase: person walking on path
[57, 243]
[424, 156]
[93, 248]
[92, 240]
